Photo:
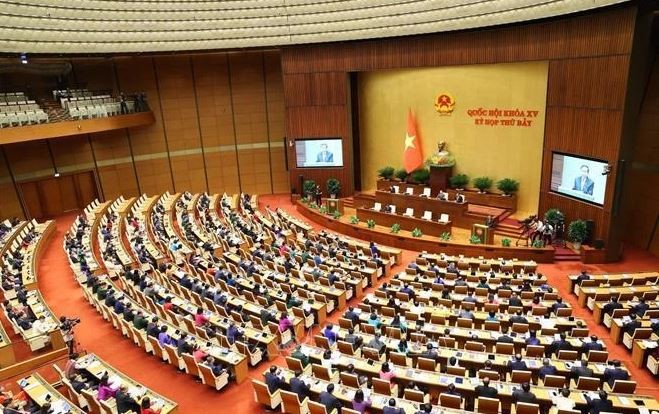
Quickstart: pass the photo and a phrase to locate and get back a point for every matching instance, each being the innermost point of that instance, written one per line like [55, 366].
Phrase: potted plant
[538, 244]
[395, 228]
[401, 174]
[483, 184]
[336, 215]
[354, 219]
[446, 236]
[420, 176]
[417, 232]
[576, 233]
[508, 186]
[554, 216]
[322, 210]
[459, 181]
[475, 239]
[333, 187]
[309, 188]
[370, 224]
[386, 173]
[505, 242]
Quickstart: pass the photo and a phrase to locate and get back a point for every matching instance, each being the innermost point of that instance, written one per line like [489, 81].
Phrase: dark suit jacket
[392, 410]
[525, 397]
[581, 372]
[506, 339]
[515, 302]
[610, 307]
[612, 374]
[274, 382]
[631, 326]
[488, 392]
[329, 401]
[300, 388]
[586, 188]
[592, 346]
[640, 308]
[126, 403]
[546, 370]
[596, 406]
[517, 365]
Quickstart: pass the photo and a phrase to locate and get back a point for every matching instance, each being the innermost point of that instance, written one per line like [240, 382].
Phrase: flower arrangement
[446, 236]
[417, 232]
[370, 224]
[354, 219]
[395, 228]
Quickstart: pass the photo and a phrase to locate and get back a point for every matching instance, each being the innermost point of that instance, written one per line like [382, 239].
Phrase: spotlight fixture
[24, 58]
[56, 175]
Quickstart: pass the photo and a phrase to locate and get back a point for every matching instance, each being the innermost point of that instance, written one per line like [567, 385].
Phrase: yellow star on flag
[409, 141]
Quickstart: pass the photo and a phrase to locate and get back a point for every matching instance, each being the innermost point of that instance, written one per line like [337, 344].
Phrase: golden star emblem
[409, 141]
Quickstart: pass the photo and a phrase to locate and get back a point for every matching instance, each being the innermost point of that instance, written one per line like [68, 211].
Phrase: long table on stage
[433, 228]
[421, 204]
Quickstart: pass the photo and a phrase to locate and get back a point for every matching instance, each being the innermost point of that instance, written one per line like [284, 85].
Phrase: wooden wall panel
[276, 122]
[589, 57]
[10, 205]
[29, 160]
[117, 180]
[574, 82]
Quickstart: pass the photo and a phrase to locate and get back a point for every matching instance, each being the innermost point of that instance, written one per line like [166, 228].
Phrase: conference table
[652, 312]
[500, 264]
[33, 253]
[438, 382]
[474, 359]
[615, 279]
[427, 227]
[589, 295]
[641, 348]
[420, 204]
[41, 392]
[96, 367]
[346, 394]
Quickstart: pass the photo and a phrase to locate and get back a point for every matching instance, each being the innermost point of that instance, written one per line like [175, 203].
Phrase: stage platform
[459, 243]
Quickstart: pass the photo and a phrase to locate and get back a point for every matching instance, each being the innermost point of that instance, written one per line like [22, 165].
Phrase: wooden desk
[588, 296]
[641, 348]
[433, 228]
[498, 264]
[438, 382]
[421, 204]
[97, 367]
[40, 391]
[614, 280]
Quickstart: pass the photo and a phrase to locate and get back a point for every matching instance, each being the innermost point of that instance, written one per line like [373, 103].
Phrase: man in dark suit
[598, 405]
[273, 381]
[352, 315]
[583, 276]
[558, 305]
[430, 353]
[125, 402]
[485, 390]
[558, 345]
[640, 308]
[546, 369]
[391, 408]
[298, 354]
[631, 326]
[517, 364]
[583, 183]
[593, 345]
[353, 339]
[524, 395]
[330, 401]
[615, 373]
[324, 155]
[505, 338]
[518, 318]
[514, 300]
[299, 387]
[611, 306]
[581, 371]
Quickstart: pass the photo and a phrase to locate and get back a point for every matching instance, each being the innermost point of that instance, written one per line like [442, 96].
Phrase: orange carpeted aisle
[96, 335]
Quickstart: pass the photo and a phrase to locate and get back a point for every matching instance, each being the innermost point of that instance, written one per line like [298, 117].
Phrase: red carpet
[63, 295]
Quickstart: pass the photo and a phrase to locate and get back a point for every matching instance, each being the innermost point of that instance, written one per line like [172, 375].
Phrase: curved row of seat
[115, 26]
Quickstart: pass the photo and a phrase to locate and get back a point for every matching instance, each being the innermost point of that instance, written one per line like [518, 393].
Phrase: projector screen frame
[303, 139]
[583, 157]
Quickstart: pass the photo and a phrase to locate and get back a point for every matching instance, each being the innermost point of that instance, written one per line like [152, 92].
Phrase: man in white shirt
[562, 401]
[41, 326]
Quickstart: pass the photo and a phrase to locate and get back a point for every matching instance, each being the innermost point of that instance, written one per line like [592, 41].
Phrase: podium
[333, 204]
[439, 177]
[483, 232]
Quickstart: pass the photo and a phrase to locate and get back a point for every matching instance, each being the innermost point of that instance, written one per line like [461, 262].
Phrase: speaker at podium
[483, 232]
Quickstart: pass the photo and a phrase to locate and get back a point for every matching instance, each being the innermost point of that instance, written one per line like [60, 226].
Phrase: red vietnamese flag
[412, 157]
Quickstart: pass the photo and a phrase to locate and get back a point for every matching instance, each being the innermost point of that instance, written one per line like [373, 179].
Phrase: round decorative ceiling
[115, 26]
